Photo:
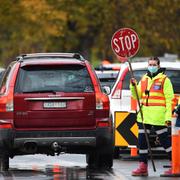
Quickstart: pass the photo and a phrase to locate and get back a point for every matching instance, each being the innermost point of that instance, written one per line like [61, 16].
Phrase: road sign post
[125, 43]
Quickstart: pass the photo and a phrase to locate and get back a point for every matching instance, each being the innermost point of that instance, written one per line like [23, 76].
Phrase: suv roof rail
[52, 55]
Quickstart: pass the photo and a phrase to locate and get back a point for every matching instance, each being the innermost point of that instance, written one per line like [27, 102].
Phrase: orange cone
[175, 148]
[175, 137]
[134, 151]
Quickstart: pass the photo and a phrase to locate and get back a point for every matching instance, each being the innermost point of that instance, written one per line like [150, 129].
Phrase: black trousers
[162, 133]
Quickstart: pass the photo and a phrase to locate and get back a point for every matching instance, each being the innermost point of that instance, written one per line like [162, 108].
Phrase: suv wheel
[4, 162]
[106, 161]
[98, 160]
[92, 160]
[116, 152]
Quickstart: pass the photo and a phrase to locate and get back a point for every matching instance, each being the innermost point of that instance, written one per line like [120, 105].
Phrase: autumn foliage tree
[86, 26]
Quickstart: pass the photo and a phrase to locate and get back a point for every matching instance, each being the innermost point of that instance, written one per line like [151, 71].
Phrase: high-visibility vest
[152, 94]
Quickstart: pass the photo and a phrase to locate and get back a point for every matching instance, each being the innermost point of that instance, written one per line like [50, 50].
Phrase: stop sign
[125, 42]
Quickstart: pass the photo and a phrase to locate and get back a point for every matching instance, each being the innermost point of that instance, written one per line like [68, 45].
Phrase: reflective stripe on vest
[155, 97]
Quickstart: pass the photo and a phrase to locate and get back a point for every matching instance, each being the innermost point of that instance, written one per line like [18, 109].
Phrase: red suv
[52, 103]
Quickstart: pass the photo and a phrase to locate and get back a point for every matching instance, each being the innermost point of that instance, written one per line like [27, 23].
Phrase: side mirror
[106, 90]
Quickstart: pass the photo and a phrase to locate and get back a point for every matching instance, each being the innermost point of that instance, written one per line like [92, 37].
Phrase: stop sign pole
[125, 44]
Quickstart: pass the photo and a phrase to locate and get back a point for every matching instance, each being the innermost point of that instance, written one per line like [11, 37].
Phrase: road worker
[155, 93]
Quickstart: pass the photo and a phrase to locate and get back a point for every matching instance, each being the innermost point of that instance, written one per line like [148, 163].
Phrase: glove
[157, 141]
[133, 81]
[175, 114]
[168, 123]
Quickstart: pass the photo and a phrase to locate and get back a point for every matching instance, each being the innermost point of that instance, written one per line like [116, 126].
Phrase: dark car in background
[107, 74]
[52, 103]
[107, 78]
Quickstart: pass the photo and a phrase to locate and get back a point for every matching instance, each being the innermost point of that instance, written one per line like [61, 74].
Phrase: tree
[86, 26]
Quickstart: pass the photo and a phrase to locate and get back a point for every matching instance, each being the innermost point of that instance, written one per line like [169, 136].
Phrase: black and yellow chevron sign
[126, 129]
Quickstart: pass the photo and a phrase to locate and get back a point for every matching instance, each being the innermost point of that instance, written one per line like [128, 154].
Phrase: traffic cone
[133, 154]
[134, 151]
[175, 137]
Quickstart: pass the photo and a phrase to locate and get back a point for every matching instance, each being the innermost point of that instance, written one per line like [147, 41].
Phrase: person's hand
[157, 141]
[133, 81]
[175, 114]
[168, 123]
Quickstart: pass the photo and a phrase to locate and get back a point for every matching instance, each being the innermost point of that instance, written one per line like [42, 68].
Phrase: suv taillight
[9, 106]
[102, 101]
[6, 102]
[6, 106]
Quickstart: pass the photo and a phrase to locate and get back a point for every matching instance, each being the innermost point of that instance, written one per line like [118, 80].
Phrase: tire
[92, 160]
[98, 160]
[106, 161]
[4, 162]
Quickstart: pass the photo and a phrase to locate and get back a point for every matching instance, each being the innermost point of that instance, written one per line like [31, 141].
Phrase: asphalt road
[73, 167]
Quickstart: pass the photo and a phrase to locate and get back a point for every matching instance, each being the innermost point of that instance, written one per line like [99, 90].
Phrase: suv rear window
[62, 78]
[172, 74]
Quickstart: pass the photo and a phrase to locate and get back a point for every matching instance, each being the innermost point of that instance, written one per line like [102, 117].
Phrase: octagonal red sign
[125, 42]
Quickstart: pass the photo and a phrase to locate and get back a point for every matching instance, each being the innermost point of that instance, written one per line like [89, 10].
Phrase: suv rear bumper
[95, 137]
[64, 141]
[68, 141]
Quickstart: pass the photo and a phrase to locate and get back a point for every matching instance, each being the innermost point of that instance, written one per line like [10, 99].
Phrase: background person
[156, 93]
[177, 113]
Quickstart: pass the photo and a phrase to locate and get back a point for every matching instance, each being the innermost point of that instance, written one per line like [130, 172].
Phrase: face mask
[152, 69]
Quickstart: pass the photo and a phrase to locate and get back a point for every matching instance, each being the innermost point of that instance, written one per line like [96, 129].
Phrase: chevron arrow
[125, 129]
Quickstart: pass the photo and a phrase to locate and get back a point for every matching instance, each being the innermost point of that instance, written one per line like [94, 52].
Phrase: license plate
[54, 104]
